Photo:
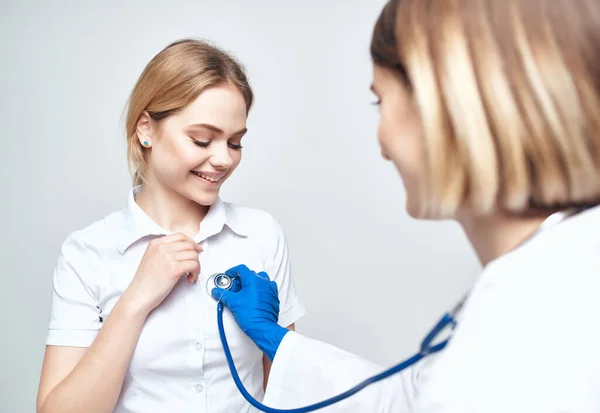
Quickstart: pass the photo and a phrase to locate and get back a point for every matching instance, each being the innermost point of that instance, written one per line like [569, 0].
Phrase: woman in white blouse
[132, 328]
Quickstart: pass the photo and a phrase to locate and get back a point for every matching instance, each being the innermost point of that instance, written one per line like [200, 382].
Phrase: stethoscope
[447, 324]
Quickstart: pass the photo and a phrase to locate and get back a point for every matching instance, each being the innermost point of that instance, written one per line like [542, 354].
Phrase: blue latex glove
[255, 307]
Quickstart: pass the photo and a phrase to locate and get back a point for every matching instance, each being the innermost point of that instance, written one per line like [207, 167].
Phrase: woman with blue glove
[490, 111]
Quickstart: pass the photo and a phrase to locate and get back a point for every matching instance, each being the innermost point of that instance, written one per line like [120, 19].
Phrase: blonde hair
[509, 96]
[173, 79]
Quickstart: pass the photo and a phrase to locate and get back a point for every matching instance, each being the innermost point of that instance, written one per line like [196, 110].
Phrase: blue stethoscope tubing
[427, 348]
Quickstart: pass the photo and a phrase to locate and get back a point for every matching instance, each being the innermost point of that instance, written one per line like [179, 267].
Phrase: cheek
[400, 141]
[186, 158]
[176, 156]
[383, 135]
[236, 158]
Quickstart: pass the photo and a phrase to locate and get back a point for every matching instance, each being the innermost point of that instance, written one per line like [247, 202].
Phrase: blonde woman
[132, 328]
[490, 111]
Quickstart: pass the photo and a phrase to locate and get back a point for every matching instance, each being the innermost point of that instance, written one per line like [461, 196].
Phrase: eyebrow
[216, 129]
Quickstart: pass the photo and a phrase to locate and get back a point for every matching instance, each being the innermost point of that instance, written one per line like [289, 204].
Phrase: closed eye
[201, 143]
[204, 144]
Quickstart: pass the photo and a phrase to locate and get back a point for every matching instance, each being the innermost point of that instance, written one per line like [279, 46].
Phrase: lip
[218, 175]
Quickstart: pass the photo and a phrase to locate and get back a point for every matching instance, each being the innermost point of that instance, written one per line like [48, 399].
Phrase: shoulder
[552, 274]
[551, 280]
[96, 236]
[530, 309]
[260, 228]
[524, 315]
[254, 221]
[530, 313]
[559, 259]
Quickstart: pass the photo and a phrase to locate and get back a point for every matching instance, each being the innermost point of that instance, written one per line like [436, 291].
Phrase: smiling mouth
[212, 179]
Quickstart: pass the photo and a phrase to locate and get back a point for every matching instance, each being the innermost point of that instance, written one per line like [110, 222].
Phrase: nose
[220, 157]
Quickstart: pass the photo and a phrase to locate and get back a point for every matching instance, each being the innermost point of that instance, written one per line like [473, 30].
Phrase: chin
[201, 197]
[205, 199]
[413, 206]
[413, 210]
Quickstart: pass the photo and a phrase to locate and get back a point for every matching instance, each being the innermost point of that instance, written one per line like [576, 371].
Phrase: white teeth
[208, 178]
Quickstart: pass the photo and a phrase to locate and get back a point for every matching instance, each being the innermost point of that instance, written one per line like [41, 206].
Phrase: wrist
[132, 306]
[268, 340]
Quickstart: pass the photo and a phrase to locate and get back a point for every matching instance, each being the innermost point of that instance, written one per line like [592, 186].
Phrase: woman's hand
[165, 261]
[255, 307]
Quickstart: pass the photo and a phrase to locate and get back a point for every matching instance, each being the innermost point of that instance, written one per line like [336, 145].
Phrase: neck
[171, 210]
[495, 235]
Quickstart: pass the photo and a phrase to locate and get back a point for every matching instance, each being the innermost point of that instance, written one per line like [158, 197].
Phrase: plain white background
[372, 279]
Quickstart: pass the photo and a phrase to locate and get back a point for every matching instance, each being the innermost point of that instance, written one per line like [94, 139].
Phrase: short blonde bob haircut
[509, 97]
[172, 80]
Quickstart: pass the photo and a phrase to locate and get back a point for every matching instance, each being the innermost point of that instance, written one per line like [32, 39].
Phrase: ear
[144, 130]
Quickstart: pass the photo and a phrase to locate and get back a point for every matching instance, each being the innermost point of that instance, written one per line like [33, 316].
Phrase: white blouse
[178, 364]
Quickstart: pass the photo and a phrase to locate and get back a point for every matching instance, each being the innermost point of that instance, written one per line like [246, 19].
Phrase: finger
[192, 278]
[186, 255]
[181, 246]
[194, 245]
[192, 268]
[191, 244]
[236, 286]
[178, 237]
[241, 271]
[221, 295]
[274, 286]
[264, 275]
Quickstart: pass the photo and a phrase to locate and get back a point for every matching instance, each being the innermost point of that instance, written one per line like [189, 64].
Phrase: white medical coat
[528, 340]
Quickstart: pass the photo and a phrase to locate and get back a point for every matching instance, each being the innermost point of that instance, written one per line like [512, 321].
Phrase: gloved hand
[255, 307]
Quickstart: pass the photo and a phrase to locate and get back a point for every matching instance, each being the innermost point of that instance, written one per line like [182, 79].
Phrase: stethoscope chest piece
[219, 280]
